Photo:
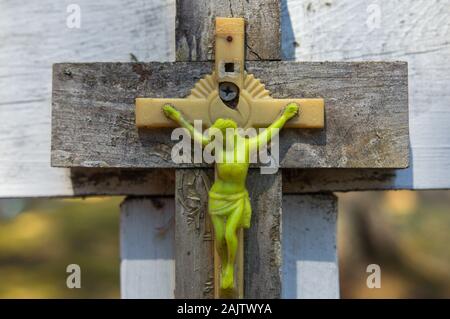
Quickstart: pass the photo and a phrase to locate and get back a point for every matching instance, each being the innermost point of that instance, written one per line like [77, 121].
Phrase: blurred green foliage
[38, 244]
[406, 233]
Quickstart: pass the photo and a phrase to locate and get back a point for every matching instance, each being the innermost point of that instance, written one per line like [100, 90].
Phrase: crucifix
[230, 98]
[94, 125]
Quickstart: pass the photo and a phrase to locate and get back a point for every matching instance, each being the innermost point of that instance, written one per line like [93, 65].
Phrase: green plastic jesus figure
[229, 202]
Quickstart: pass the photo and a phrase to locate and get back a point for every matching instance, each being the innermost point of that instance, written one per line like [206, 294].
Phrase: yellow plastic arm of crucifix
[176, 116]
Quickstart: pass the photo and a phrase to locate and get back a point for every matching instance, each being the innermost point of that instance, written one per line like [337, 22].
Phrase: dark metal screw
[229, 38]
[228, 91]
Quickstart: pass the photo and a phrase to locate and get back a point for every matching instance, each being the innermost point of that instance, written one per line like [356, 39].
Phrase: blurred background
[405, 232]
[40, 238]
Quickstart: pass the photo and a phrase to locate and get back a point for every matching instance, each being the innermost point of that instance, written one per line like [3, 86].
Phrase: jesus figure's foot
[228, 278]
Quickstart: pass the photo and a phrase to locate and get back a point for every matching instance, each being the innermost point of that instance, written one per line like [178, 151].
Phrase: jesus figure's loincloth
[224, 205]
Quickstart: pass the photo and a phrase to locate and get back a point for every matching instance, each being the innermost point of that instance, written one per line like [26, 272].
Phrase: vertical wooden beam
[195, 42]
[195, 27]
[147, 265]
[262, 278]
[310, 264]
[194, 249]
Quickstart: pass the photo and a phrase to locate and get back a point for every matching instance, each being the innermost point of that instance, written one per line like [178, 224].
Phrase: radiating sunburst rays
[255, 88]
[204, 87]
[207, 85]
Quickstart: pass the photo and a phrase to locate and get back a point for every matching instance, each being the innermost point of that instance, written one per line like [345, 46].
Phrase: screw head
[228, 91]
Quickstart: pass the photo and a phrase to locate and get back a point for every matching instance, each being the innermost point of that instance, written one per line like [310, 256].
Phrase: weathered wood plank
[147, 265]
[111, 181]
[338, 180]
[366, 112]
[34, 36]
[412, 31]
[262, 246]
[195, 28]
[135, 182]
[194, 249]
[325, 32]
[145, 182]
[310, 264]
[100, 181]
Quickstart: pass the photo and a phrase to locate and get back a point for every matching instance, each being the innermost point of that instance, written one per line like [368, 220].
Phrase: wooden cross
[366, 127]
[230, 93]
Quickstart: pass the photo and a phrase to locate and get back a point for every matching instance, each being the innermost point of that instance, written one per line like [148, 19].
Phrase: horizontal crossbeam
[366, 112]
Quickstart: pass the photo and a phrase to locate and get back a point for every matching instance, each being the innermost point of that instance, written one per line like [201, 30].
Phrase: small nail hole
[229, 67]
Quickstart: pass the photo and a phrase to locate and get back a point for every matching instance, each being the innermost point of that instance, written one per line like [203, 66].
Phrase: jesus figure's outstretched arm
[264, 138]
[178, 118]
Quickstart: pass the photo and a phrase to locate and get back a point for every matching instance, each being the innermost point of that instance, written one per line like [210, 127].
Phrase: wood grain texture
[195, 28]
[339, 180]
[366, 112]
[111, 181]
[147, 264]
[310, 264]
[35, 36]
[413, 31]
[262, 245]
[194, 249]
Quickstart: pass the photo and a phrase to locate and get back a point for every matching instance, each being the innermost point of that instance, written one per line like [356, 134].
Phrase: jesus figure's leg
[219, 237]
[233, 222]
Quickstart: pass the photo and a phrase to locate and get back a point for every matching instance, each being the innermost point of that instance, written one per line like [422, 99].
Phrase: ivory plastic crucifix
[230, 98]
